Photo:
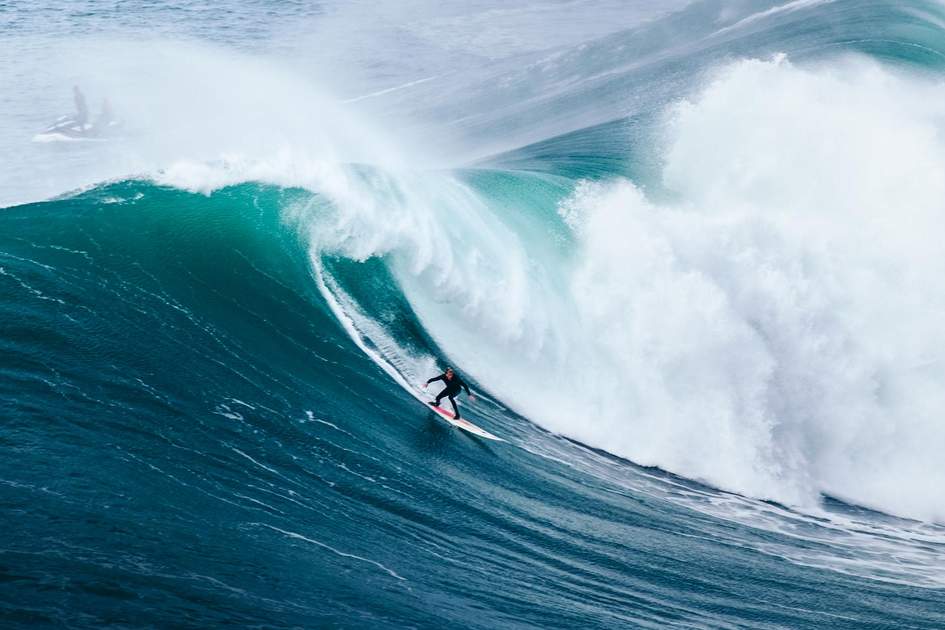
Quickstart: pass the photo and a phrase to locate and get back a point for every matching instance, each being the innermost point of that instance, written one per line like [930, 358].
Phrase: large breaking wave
[763, 316]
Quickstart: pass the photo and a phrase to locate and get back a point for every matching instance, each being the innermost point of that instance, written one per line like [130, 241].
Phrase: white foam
[777, 331]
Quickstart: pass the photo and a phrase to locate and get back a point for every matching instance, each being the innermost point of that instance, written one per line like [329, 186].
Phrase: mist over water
[189, 84]
[687, 253]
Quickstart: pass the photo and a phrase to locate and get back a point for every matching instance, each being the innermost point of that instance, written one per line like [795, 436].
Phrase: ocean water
[687, 254]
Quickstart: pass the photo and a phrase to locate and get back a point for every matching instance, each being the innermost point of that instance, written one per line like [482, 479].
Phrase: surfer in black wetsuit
[81, 109]
[453, 384]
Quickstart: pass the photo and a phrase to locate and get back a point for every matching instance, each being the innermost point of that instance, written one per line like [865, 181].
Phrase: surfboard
[465, 425]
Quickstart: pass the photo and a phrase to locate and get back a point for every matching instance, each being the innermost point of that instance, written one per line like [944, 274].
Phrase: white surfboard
[465, 425]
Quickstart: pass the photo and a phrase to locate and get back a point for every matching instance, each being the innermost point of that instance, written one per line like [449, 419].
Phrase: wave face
[688, 257]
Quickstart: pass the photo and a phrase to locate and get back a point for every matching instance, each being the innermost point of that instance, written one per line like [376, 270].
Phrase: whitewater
[689, 255]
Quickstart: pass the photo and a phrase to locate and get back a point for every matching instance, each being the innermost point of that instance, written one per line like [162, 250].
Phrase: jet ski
[68, 128]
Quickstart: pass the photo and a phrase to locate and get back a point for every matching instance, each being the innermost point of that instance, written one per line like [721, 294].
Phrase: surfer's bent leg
[452, 400]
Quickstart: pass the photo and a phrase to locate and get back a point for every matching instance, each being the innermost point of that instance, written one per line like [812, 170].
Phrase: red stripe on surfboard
[465, 424]
[449, 414]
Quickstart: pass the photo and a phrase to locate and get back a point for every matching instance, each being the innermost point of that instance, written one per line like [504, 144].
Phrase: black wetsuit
[452, 388]
[81, 109]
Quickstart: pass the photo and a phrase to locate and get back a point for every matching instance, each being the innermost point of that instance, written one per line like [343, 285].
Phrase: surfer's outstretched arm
[441, 377]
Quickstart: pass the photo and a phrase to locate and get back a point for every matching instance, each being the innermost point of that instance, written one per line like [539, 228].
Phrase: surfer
[81, 109]
[453, 384]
